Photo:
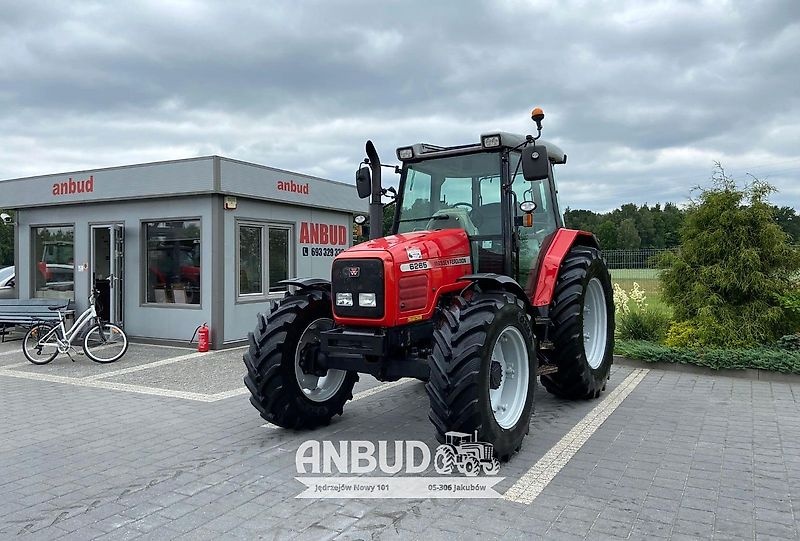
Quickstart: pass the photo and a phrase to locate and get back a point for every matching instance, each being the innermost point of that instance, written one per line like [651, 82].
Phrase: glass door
[107, 270]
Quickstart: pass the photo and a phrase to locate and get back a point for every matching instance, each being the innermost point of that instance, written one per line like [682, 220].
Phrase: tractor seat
[487, 219]
[457, 218]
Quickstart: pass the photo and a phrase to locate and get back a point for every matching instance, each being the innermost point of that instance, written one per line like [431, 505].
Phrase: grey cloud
[643, 97]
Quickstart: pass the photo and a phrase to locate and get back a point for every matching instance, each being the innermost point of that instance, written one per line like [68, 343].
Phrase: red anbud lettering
[292, 186]
[313, 233]
[71, 186]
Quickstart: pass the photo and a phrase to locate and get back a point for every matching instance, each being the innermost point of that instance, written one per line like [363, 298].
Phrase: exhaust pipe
[375, 205]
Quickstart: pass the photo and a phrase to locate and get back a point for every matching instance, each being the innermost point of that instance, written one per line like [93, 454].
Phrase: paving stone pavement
[684, 456]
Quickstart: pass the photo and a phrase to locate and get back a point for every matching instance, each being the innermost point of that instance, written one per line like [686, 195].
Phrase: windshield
[443, 193]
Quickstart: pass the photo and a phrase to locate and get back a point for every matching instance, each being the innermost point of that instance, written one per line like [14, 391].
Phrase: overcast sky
[643, 96]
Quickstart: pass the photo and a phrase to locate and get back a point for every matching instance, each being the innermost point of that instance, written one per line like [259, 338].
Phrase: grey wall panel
[277, 185]
[308, 258]
[148, 180]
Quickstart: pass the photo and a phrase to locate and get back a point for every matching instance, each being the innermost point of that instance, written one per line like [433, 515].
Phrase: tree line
[631, 227]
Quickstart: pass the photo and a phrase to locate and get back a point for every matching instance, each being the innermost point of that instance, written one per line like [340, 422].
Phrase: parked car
[8, 288]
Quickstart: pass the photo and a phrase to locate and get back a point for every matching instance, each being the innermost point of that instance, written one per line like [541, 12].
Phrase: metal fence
[646, 258]
[629, 267]
[638, 266]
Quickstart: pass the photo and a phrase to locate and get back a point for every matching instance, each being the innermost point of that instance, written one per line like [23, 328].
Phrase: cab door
[546, 221]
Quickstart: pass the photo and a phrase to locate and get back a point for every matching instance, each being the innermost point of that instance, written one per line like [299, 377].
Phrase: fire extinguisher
[202, 338]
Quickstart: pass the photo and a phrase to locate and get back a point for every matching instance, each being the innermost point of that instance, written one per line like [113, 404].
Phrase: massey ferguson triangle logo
[353, 272]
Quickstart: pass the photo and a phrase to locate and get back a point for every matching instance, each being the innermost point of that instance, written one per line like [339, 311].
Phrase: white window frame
[265, 227]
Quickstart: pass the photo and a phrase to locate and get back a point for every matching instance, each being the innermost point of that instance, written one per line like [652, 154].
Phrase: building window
[278, 258]
[53, 261]
[251, 263]
[173, 262]
[264, 258]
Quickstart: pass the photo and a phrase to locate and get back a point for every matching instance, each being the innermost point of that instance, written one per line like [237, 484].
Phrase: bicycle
[103, 343]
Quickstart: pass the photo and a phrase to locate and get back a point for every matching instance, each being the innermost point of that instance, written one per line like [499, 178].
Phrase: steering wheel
[463, 204]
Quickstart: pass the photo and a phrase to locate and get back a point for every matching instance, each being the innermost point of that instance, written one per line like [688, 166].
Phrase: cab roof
[507, 140]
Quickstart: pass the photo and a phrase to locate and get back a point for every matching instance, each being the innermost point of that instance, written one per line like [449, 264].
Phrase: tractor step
[545, 369]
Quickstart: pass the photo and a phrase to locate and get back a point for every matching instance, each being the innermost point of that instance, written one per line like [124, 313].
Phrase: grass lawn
[647, 280]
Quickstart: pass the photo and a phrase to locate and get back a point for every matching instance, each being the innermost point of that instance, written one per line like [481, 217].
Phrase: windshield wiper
[437, 217]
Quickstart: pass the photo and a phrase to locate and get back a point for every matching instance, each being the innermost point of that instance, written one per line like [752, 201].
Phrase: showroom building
[172, 245]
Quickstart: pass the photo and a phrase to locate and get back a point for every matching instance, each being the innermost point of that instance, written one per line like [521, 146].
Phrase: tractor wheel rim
[595, 323]
[317, 388]
[508, 400]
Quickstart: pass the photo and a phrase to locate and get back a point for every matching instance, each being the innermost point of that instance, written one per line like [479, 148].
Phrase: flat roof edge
[111, 168]
[279, 170]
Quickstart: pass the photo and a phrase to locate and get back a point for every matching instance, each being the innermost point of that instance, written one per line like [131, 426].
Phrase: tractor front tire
[476, 341]
[583, 326]
[282, 393]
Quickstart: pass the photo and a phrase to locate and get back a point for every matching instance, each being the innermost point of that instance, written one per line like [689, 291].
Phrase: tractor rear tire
[583, 326]
[272, 370]
[465, 368]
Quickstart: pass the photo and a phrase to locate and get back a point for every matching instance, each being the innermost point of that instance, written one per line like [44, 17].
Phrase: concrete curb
[747, 373]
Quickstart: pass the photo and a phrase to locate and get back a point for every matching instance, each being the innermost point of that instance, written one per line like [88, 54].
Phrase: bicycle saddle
[54, 308]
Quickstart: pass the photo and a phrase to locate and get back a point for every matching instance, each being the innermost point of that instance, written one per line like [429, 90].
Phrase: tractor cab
[482, 190]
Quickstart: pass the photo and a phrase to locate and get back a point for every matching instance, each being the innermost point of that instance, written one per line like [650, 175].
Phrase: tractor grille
[413, 292]
[356, 276]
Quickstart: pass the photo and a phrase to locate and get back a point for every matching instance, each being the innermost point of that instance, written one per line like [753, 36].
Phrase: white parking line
[147, 366]
[358, 396]
[95, 384]
[16, 365]
[534, 481]
[11, 352]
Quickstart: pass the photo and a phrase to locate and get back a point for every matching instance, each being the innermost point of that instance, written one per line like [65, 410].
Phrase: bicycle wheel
[36, 350]
[105, 343]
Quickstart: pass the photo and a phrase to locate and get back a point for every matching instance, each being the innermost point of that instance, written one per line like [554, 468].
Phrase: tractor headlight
[344, 299]
[490, 141]
[367, 300]
[405, 153]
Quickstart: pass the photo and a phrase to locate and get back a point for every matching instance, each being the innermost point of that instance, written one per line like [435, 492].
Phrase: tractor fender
[486, 280]
[308, 283]
[562, 243]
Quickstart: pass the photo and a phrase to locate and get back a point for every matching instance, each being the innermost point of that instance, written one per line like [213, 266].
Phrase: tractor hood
[404, 246]
[406, 272]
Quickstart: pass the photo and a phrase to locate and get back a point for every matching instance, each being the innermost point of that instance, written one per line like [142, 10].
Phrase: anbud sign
[314, 233]
[71, 186]
[292, 186]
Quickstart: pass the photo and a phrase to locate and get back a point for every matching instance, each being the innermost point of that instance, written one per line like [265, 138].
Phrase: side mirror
[363, 182]
[535, 165]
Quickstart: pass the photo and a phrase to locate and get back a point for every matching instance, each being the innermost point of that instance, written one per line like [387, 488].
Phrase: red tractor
[478, 290]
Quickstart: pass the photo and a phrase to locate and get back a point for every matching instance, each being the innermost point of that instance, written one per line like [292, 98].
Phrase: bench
[27, 312]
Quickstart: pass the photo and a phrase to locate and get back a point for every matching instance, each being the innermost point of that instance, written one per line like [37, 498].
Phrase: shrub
[647, 324]
[734, 265]
[682, 334]
[635, 320]
[761, 358]
[790, 302]
[790, 342]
